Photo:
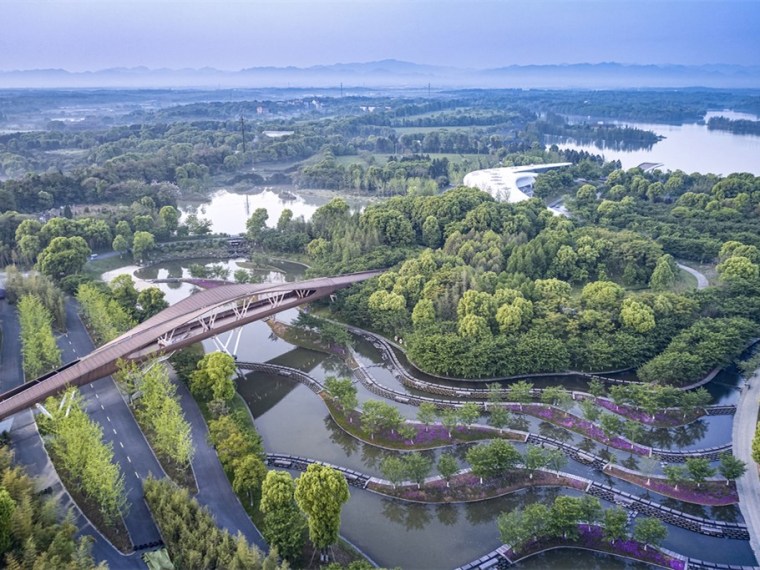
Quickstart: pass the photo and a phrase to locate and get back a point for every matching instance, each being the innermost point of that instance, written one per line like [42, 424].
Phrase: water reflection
[690, 147]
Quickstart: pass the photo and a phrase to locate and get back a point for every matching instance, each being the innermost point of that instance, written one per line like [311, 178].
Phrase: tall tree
[615, 522]
[731, 467]
[321, 492]
[284, 522]
[650, 531]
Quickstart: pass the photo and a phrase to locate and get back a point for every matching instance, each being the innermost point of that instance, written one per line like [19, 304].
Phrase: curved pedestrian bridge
[198, 317]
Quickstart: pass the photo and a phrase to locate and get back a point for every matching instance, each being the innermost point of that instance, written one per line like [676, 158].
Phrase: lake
[690, 147]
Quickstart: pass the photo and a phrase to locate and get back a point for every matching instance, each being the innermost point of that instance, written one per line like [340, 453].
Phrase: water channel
[291, 419]
[690, 147]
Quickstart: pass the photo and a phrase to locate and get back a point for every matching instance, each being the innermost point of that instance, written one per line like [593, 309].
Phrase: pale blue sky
[94, 34]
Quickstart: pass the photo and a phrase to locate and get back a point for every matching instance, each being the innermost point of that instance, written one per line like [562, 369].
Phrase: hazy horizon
[92, 35]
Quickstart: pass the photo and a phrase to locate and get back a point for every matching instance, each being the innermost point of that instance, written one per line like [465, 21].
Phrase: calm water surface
[689, 147]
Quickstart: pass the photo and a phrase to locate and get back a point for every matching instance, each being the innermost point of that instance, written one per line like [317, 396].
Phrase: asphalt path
[215, 491]
[702, 281]
[30, 453]
[11, 374]
[105, 405]
[748, 485]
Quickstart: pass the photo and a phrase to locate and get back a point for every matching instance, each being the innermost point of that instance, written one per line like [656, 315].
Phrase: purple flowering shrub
[579, 425]
[662, 418]
[710, 493]
[592, 537]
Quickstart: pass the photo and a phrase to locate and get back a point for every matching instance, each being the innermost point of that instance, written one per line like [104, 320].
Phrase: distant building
[277, 134]
[511, 183]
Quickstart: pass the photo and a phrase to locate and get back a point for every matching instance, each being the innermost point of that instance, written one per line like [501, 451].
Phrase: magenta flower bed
[579, 425]
[664, 419]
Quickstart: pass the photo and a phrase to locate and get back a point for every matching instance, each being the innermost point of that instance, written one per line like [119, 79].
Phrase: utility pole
[242, 131]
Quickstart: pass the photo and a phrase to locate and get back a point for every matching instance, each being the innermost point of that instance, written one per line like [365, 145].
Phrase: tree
[343, 391]
[591, 509]
[284, 522]
[388, 310]
[426, 414]
[731, 467]
[675, 474]
[321, 492]
[611, 425]
[256, 224]
[637, 316]
[142, 244]
[498, 417]
[564, 516]
[521, 392]
[447, 466]
[170, 216]
[512, 528]
[557, 396]
[590, 410]
[417, 467]
[535, 458]
[38, 347]
[615, 522]
[392, 467]
[450, 419]
[737, 269]
[596, 387]
[648, 465]
[650, 531]
[407, 432]
[213, 377]
[664, 274]
[7, 508]
[150, 302]
[248, 475]
[423, 313]
[492, 459]
[556, 461]
[124, 292]
[699, 469]
[63, 256]
[469, 413]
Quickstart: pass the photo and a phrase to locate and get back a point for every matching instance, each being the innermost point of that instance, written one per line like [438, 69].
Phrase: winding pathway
[702, 281]
[748, 485]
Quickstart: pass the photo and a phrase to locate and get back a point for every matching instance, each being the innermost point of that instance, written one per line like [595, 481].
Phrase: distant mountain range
[400, 74]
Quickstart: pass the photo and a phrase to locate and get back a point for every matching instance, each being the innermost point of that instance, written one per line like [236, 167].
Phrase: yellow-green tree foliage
[159, 411]
[38, 347]
[77, 448]
[105, 316]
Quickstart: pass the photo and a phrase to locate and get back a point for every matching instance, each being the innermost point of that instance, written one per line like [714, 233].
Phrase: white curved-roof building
[511, 183]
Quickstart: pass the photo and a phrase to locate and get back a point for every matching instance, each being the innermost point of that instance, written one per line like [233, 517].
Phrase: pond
[228, 211]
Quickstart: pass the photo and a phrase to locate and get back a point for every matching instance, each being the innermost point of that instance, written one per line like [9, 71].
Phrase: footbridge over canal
[201, 316]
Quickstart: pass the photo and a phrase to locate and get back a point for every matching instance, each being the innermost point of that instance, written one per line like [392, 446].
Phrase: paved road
[748, 485]
[215, 491]
[702, 281]
[11, 374]
[30, 453]
[104, 404]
